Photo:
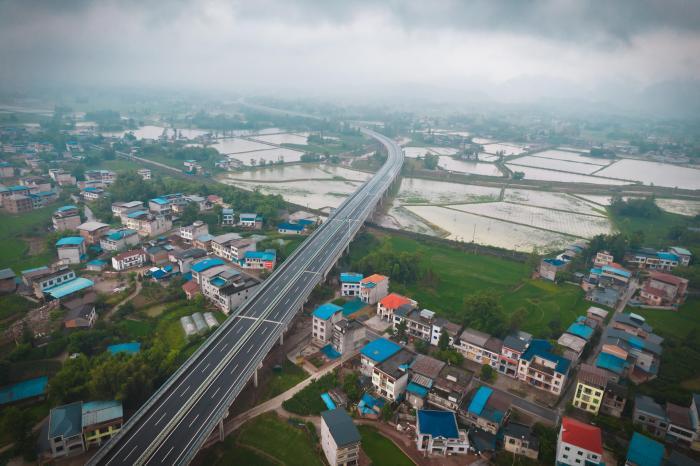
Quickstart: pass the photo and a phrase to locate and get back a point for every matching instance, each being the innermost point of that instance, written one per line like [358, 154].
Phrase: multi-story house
[185, 258]
[163, 205]
[190, 232]
[92, 193]
[520, 440]
[390, 303]
[603, 258]
[374, 288]
[221, 245]
[129, 259]
[93, 231]
[251, 221]
[590, 388]
[65, 434]
[437, 433]
[18, 203]
[71, 249]
[488, 410]
[390, 377]
[265, 260]
[422, 374]
[479, 347]
[144, 173]
[514, 345]
[122, 209]
[681, 430]
[542, 369]
[44, 278]
[148, 224]
[104, 176]
[323, 318]
[643, 451]
[449, 388]
[650, 416]
[663, 289]
[228, 217]
[376, 352]
[579, 444]
[340, 439]
[118, 240]
[614, 399]
[347, 336]
[66, 218]
[288, 228]
[101, 420]
[684, 256]
[227, 287]
[350, 284]
[424, 325]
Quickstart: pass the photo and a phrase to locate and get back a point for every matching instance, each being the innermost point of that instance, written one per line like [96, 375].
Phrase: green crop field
[14, 250]
[277, 438]
[461, 273]
[381, 450]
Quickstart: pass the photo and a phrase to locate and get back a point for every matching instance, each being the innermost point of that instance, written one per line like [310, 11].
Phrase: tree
[534, 258]
[518, 175]
[430, 161]
[387, 412]
[487, 374]
[482, 311]
[400, 330]
[516, 319]
[444, 341]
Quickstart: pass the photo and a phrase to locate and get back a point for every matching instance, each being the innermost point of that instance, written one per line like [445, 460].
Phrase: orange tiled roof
[393, 301]
[375, 278]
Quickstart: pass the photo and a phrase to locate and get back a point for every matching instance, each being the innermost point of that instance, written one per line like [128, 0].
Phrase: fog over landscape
[628, 55]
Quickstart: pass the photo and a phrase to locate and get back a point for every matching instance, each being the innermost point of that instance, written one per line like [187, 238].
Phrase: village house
[375, 352]
[66, 218]
[287, 228]
[681, 430]
[80, 312]
[422, 374]
[191, 289]
[231, 246]
[549, 268]
[71, 249]
[663, 289]
[118, 240]
[323, 318]
[390, 303]
[36, 184]
[424, 325]
[643, 451]
[651, 259]
[347, 336]
[6, 170]
[614, 399]
[603, 258]
[41, 279]
[449, 388]
[18, 203]
[122, 209]
[650, 416]
[190, 232]
[437, 433]
[542, 369]
[129, 260]
[186, 257]
[228, 217]
[250, 221]
[684, 256]
[163, 205]
[350, 284]
[104, 176]
[8, 281]
[488, 410]
[264, 260]
[144, 173]
[630, 344]
[479, 347]
[340, 439]
[92, 193]
[590, 388]
[374, 288]
[226, 287]
[514, 345]
[76, 427]
[390, 377]
[203, 242]
[519, 439]
[93, 231]
[147, 224]
[579, 444]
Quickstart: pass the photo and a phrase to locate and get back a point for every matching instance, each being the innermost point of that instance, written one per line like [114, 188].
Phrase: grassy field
[12, 306]
[281, 381]
[672, 324]
[308, 401]
[655, 229]
[381, 450]
[289, 444]
[227, 453]
[461, 273]
[14, 251]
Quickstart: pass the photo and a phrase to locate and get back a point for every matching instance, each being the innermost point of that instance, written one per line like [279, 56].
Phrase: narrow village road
[131, 296]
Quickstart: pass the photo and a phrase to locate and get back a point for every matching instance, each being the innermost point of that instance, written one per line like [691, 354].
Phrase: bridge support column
[222, 433]
[282, 337]
[255, 376]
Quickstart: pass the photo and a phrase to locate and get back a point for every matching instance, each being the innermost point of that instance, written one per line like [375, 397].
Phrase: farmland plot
[420, 191]
[680, 206]
[276, 173]
[272, 154]
[462, 226]
[556, 164]
[542, 174]
[284, 138]
[560, 201]
[508, 149]
[313, 195]
[475, 168]
[583, 226]
[572, 157]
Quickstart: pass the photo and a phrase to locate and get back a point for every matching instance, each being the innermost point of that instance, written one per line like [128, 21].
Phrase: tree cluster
[643, 208]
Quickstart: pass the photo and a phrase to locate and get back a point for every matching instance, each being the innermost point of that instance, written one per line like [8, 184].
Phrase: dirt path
[136, 291]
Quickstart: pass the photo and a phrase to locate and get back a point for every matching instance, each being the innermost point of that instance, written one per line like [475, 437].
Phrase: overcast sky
[510, 47]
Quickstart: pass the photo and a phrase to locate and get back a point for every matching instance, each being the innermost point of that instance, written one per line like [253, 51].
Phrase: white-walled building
[437, 433]
[340, 439]
[323, 319]
[71, 249]
[579, 444]
[129, 259]
[190, 232]
[374, 288]
[350, 284]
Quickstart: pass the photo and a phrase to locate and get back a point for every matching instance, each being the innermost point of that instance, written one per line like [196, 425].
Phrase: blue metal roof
[66, 207]
[18, 188]
[326, 311]
[70, 241]
[351, 277]
[70, 287]
[542, 348]
[305, 222]
[97, 262]
[117, 235]
[66, 420]
[159, 200]
[416, 389]
[138, 213]
[206, 264]
[350, 307]
[617, 271]
[668, 256]
[481, 397]
[644, 451]
[380, 349]
[23, 390]
[268, 255]
[555, 262]
[290, 226]
[131, 348]
[205, 237]
[611, 363]
[580, 330]
[437, 423]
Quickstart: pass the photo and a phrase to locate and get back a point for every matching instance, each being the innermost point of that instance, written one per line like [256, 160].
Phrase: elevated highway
[173, 424]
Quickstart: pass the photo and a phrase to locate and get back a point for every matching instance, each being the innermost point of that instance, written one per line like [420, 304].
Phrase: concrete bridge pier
[255, 376]
[282, 336]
